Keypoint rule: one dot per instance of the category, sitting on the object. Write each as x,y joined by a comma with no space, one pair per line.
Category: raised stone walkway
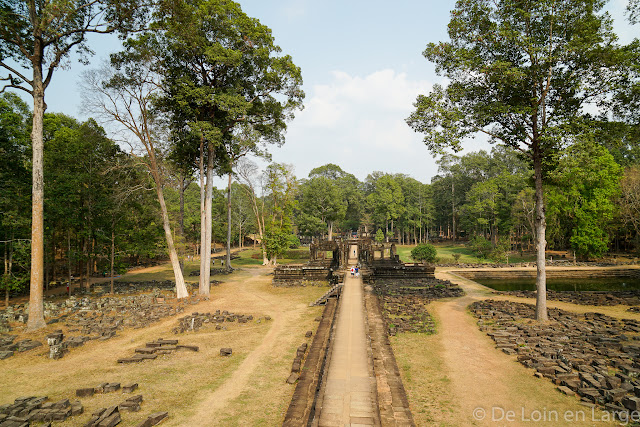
349,397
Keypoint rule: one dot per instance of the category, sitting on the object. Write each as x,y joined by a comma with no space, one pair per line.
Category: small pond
564,284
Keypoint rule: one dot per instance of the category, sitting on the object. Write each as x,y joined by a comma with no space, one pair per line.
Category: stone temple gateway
328,260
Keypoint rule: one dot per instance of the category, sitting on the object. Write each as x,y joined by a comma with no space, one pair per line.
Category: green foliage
294,243
321,203
581,197
424,252
222,69
379,236
385,200
481,246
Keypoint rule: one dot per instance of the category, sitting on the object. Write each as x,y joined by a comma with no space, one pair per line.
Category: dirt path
484,383
211,404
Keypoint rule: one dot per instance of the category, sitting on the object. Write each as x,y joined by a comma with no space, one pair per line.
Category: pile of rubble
93,318
121,287
427,288
602,298
9,346
155,348
592,355
26,410
196,320
404,302
407,313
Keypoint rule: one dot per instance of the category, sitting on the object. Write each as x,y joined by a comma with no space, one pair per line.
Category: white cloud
358,122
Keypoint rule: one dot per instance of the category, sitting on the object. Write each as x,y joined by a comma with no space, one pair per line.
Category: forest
200,88
100,205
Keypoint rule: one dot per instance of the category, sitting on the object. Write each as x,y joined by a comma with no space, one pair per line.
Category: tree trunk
53,261
36,303
181,221
113,251
204,261
7,272
69,259
205,275
228,257
181,288
541,243
453,210
330,230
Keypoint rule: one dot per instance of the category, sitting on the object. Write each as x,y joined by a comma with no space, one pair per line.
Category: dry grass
425,378
450,374
180,382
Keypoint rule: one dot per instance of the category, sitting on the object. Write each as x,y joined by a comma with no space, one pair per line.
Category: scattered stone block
225,352
130,406
111,387
136,399
154,419
293,377
631,403
85,392
129,388
76,408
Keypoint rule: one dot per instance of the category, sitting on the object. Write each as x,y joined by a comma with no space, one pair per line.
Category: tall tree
321,201
223,69
520,71
123,94
37,37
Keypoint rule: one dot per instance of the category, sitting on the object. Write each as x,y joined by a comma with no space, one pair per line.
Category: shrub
424,252
481,246
379,236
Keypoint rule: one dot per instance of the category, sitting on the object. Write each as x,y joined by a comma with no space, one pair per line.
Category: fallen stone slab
225,352
129,388
293,377
85,392
154,419
111,387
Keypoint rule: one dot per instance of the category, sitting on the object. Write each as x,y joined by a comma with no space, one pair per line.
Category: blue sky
362,67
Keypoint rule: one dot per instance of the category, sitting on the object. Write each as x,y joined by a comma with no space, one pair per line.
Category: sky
362,68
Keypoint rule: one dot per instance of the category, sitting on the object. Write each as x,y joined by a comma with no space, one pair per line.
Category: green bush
481,246
379,236
424,252
294,242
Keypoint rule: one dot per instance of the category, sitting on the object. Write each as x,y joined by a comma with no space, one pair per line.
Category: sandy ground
458,377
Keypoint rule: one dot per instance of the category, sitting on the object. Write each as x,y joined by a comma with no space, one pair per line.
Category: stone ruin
318,269
375,260
155,348
384,262
91,318
591,355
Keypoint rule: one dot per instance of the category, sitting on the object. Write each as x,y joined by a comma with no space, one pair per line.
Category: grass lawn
446,251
